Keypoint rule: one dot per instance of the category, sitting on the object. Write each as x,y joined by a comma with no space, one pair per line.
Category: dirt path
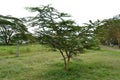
111,48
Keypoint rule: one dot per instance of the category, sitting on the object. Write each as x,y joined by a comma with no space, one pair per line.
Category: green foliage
57,31
60,32
54,30
91,39
23,38
10,26
108,32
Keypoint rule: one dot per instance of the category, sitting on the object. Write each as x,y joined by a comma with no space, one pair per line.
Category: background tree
109,31
91,40
5,31
10,26
13,31
22,38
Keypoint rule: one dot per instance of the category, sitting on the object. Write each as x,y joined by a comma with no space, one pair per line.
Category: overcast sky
81,10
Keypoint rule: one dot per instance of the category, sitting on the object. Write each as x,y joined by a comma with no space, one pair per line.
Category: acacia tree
22,38
12,30
10,26
56,30
5,31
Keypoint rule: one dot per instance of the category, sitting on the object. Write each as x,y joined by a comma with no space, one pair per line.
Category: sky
81,10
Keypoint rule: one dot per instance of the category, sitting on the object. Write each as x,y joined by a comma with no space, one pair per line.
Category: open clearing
41,63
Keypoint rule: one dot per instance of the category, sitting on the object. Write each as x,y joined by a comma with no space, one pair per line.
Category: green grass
44,64
11,50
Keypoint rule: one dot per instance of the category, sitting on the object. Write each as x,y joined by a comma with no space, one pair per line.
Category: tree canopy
10,26
109,31
57,30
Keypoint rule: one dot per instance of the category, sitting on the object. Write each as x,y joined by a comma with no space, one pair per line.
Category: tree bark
66,60
67,64
17,50
118,43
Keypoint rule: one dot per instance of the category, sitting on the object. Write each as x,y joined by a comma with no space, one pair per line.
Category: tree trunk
67,64
118,43
66,60
17,50
6,42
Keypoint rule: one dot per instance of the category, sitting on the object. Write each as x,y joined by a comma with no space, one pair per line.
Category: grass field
40,63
